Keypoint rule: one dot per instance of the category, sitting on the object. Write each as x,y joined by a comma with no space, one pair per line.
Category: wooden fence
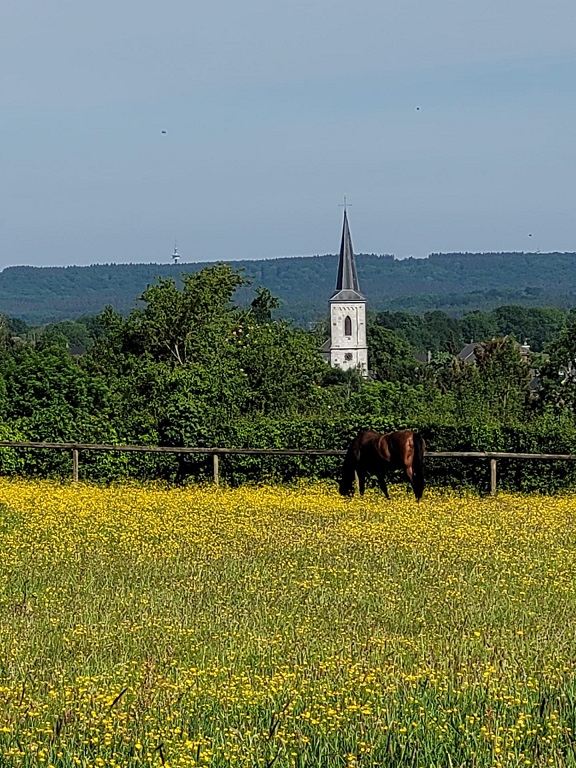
216,453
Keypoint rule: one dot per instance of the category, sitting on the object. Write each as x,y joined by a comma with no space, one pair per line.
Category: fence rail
75,448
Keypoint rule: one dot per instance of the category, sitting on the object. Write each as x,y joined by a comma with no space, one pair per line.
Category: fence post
75,453
493,477
215,468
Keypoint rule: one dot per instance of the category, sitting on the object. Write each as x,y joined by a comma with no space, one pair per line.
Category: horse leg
410,475
382,484
361,478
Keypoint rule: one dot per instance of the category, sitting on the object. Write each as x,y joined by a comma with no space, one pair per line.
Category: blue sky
449,125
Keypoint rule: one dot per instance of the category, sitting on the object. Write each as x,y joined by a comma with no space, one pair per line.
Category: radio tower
175,254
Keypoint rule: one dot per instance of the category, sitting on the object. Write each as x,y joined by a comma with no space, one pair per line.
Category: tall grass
261,627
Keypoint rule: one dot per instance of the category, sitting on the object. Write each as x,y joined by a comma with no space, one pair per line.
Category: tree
47,395
534,325
406,325
75,333
495,390
441,332
390,358
478,326
183,325
445,371
558,373
190,364
282,367
263,305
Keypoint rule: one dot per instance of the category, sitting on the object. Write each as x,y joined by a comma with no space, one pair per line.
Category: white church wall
348,350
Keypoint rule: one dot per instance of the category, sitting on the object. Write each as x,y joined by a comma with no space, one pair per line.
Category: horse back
401,447
396,448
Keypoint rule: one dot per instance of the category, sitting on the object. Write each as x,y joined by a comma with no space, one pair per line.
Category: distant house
468,352
525,352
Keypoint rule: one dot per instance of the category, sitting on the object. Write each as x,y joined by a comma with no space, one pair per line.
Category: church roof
347,296
347,286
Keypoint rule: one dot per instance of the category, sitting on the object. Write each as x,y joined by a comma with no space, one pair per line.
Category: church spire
346,348
347,280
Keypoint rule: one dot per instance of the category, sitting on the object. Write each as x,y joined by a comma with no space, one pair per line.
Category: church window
348,356
347,326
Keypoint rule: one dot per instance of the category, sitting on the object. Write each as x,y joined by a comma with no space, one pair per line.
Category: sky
237,128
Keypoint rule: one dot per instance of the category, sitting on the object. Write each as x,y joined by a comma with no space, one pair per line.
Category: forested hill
453,282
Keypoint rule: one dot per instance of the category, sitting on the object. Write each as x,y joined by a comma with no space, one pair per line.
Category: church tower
347,347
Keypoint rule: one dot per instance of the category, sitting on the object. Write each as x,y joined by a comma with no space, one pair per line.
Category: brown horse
372,453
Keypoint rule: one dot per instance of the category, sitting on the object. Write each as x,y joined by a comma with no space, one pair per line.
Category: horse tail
349,470
418,466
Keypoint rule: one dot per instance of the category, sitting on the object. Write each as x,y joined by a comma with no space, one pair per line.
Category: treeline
439,332
191,366
431,332
455,283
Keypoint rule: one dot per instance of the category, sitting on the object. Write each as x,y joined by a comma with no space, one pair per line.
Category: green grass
262,627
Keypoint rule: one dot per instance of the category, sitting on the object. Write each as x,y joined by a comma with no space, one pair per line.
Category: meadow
285,627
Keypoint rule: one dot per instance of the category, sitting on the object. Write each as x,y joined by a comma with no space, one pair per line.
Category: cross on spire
345,204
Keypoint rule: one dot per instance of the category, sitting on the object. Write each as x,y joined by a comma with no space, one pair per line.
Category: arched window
347,326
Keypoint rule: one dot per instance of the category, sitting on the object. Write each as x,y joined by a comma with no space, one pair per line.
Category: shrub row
543,435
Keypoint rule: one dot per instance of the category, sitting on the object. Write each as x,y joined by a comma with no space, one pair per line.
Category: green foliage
282,368
438,332
495,390
263,305
185,325
75,333
478,326
11,459
391,358
195,366
558,373
190,364
540,435
39,380
535,325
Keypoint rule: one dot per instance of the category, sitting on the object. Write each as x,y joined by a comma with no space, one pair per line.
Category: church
346,348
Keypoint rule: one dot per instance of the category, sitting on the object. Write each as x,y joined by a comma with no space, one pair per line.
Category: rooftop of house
468,352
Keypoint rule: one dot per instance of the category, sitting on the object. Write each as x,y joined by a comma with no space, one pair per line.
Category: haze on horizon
448,125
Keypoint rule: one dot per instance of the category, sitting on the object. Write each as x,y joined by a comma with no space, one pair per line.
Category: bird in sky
163,131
